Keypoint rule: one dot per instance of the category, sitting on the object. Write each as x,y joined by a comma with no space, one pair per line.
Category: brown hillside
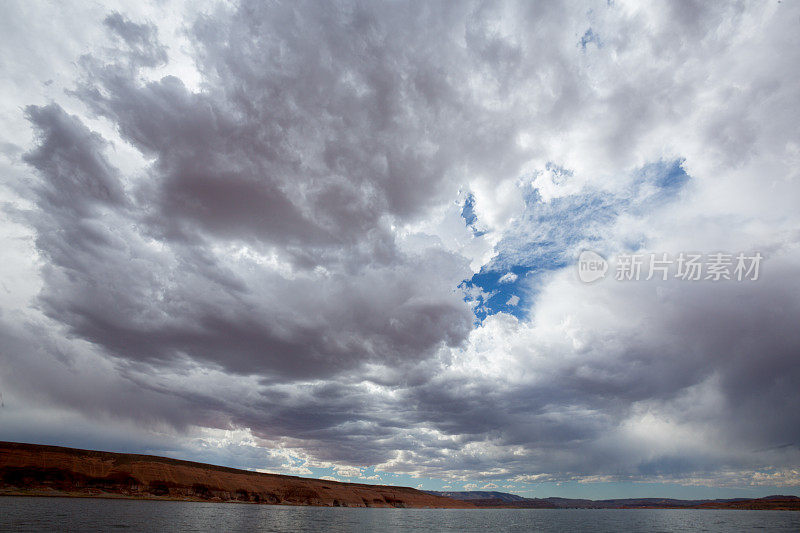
29,469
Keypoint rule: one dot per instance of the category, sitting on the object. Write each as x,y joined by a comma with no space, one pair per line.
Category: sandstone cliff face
35,469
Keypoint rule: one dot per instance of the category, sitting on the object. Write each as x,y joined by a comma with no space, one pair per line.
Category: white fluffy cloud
508,277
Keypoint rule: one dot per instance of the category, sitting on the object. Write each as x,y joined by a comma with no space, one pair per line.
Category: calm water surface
70,514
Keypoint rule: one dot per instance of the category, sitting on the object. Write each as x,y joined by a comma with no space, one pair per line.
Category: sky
342,240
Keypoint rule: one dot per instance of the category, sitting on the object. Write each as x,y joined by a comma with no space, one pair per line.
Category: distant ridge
37,470
486,499
479,495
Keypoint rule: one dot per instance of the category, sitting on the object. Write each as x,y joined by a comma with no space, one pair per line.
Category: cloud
348,471
140,39
238,317
508,277
266,262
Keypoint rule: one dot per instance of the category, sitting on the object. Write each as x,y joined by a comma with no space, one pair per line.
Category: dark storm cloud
70,155
141,39
110,286
304,144
317,125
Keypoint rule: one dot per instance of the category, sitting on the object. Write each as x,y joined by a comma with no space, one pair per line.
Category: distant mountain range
487,499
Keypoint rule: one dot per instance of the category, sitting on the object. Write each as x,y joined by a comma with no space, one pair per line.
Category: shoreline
113,496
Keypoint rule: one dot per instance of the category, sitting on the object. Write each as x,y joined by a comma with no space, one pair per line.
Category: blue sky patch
548,233
507,296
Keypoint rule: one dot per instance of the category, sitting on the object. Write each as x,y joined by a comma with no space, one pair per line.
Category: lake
83,514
